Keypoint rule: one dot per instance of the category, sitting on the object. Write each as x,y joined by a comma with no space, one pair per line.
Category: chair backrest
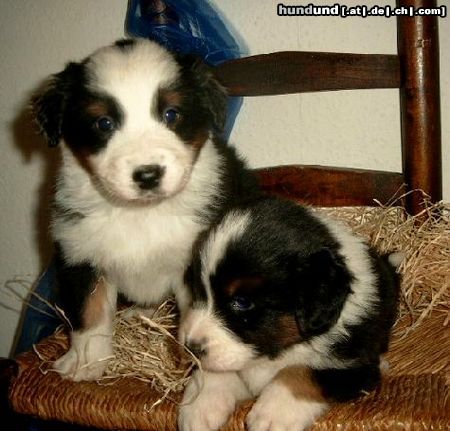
415,71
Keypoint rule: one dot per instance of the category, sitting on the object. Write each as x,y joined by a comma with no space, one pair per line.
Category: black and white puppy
288,306
143,172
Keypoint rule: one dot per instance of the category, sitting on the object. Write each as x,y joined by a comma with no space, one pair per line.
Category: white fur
396,258
259,373
224,352
277,409
209,399
230,228
143,250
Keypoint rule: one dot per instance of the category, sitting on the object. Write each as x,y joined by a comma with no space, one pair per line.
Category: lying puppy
143,172
289,307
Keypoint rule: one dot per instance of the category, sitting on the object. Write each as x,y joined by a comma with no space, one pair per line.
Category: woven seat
414,394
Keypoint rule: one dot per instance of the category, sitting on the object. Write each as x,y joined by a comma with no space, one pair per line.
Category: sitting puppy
289,307
143,172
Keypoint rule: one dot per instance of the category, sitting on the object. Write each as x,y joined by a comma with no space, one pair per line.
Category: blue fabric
39,320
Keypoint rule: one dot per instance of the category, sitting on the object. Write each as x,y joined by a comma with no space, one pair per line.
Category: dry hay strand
424,240
146,348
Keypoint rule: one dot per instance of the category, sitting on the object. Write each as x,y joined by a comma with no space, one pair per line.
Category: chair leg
418,47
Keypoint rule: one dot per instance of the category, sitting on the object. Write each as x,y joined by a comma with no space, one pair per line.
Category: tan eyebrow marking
243,285
97,108
171,97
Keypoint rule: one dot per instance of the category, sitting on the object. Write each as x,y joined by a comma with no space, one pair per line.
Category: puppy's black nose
196,348
148,177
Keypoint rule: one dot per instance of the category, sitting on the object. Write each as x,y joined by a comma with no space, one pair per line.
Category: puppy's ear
49,103
322,286
213,94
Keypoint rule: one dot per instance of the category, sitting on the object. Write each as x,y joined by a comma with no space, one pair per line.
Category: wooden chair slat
298,72
328,186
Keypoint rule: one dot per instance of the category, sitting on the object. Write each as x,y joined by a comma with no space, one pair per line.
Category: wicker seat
415,394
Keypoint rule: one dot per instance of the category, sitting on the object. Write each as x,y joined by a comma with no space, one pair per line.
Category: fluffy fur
143,173
291,303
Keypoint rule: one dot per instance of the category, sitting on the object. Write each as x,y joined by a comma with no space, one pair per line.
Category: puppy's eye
104,124
171,116
241,303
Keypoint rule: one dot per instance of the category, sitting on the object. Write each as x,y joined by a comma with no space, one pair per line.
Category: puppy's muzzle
148,177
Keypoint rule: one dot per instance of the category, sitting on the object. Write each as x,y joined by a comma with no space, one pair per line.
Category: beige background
359,129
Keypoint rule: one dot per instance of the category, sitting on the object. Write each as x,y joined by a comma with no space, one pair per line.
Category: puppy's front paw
86,359
278,410
207,413
209,400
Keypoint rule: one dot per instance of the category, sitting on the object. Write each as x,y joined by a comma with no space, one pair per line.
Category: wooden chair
415,71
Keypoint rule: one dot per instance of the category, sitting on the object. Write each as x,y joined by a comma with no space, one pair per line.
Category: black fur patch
198,97
204,99
238,185
68,108
347,384
75,283
49,104
79,124
326,285
370,338
125,44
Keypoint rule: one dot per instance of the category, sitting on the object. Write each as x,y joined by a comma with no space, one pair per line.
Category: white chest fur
142,250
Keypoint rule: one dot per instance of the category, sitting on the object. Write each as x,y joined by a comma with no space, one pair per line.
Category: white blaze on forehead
230,229
133,76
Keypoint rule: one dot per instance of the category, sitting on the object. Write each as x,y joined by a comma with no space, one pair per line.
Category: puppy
289,307
143,172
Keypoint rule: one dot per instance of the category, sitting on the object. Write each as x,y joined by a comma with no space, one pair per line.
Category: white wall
359,129
37,38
